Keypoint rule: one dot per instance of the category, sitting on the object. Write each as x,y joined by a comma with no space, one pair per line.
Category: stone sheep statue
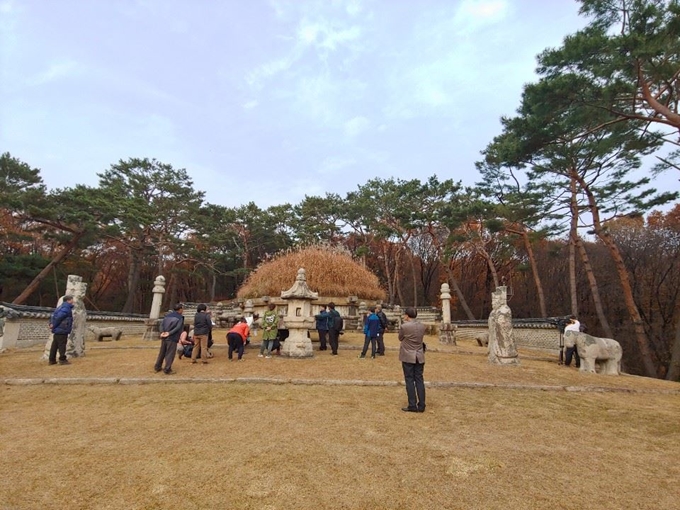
101,333
482,339
590,349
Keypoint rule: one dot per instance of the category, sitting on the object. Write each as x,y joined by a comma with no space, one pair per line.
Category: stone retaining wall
536,336
27,326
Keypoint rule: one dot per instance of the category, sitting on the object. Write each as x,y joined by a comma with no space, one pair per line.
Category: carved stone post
447,331
502,350
158,291
76,340
363,310
151,332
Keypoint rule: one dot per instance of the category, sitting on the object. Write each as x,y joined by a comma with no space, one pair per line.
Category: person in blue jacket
371,332
61,324
322,327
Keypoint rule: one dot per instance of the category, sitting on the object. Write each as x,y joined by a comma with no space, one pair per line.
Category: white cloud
250,105
356,126
7,7
334,164
354,7
474,14
55,71
270,69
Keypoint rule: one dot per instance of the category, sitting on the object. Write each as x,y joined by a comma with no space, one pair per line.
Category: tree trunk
414,278
638,325
388,276
594,289
213,285
534,271
573,234
21,298
400,294
133,282
673,373
459,294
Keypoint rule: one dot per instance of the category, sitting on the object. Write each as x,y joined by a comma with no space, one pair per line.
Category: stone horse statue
606,351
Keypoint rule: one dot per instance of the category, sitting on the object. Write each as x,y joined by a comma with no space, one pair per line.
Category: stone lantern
299,319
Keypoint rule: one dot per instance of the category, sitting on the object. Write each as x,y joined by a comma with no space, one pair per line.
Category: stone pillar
447,331
75,345
363,310
76,340
151,323
502,350
158,291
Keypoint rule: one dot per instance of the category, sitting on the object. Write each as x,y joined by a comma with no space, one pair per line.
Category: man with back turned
412,357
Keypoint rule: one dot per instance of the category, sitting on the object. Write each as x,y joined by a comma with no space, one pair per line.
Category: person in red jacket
236,337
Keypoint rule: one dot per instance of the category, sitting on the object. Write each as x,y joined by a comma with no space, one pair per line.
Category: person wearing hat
61,324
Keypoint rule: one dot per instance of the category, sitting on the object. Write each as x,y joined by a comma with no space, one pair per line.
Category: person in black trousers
334,328
171,329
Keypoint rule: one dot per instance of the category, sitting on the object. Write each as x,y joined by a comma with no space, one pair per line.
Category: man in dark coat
171,329
202,330
412,357
61,324
383,327
334,328
322,327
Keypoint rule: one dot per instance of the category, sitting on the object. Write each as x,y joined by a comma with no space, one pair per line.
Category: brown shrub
330,272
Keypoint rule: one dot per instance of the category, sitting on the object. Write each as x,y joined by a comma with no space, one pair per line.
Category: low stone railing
27,326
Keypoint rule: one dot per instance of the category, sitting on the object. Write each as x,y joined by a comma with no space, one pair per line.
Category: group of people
177,341
375,325
329,325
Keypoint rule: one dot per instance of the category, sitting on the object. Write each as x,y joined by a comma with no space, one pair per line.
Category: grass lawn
185,441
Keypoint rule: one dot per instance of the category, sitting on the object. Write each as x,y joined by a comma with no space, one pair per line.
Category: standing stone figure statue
502,350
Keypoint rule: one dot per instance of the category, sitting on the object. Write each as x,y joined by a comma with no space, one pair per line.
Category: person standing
412,357
171,329
573,327
61,324
236,337
334,328
270,328
383,327
322,327
202,330
371,332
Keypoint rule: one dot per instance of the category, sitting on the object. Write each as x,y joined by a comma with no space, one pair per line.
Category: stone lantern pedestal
299,319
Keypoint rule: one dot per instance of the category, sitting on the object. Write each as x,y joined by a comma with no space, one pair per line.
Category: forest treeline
560,214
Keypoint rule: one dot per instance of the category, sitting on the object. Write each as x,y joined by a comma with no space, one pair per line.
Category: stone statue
590,349
502,350
101,333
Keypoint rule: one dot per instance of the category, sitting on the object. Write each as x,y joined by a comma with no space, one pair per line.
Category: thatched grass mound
330,272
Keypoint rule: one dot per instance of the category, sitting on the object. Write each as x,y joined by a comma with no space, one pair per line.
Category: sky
267,101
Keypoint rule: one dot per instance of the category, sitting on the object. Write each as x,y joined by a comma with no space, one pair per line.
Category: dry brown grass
330,272
287,446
